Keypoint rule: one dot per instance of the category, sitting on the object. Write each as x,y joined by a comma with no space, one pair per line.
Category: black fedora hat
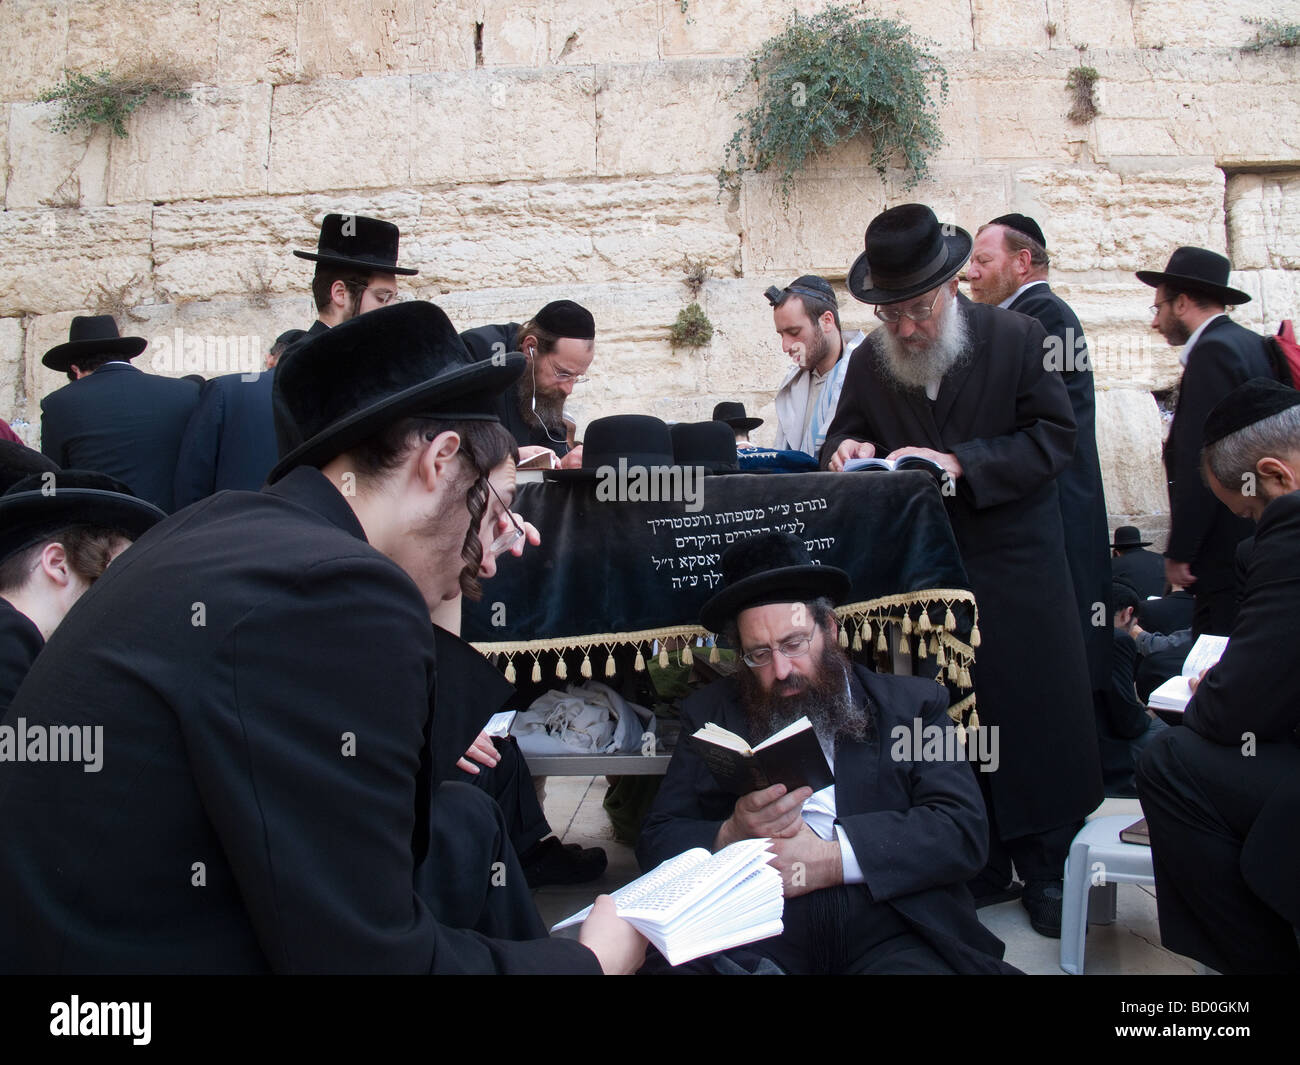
770,568
355,240
1129,536
711,445
45,502
342,386
636,439
94,334
907,252
734,415
1197,270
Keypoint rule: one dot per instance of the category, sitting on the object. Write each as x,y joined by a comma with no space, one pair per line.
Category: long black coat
486,341
1202,530
20,642
1141,570
1008,421
918,829
230,439
122,422
1083,499
265,680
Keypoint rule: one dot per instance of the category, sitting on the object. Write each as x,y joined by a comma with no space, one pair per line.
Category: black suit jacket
122,422
486,341
1202,530
1141,570
20,642
918,829
230,439
265,680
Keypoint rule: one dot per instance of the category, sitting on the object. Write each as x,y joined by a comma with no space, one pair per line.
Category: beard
540,406
824,699
817,350
915,365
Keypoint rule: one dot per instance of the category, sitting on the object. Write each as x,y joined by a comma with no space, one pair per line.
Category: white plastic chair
1098,862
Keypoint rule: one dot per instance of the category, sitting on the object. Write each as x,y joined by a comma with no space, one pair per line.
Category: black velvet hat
564,318
1252,402
1197,270
45,502
1129,536
637,439
734,415
770,568
92,335
18,461
907,253
711,445
1021,223
355,240
344,385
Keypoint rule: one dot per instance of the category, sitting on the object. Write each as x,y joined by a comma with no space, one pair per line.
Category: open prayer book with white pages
792,757
1175,693
907,462
699,903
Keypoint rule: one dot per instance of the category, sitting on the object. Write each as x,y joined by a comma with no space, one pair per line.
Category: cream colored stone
244,247
667,118
214,144
1203,23
389,37
259,42
37,31
49,168
537,33
43,332
1130,438
508,124
12,407
1263,218
341,135
1010,24
115,34
1275,295
4,150
54,259
1019,103
1095,23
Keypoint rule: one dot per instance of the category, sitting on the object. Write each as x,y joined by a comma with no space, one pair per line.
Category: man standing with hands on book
875,866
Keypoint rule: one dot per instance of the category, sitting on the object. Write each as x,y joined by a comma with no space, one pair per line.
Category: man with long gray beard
874,866
966,385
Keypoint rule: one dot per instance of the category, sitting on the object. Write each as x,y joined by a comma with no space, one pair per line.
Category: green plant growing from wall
1272,33
1082,82
108,99
833,77
692,328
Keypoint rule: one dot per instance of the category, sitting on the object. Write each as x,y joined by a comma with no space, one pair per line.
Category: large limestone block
538,33
1263,220
43,332
11,371
244,247
259,42
1010,24
36,64
1130,438
214,144
1095,23
1103,220
1204,23
668,118
49,168
507,124
390,37
564,233
115,33
54,259
1018,102
341,135
1275,295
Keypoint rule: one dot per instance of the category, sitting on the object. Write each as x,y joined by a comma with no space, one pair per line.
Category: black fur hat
770,568
347,384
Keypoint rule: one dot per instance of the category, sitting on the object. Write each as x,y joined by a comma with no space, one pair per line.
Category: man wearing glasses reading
968,386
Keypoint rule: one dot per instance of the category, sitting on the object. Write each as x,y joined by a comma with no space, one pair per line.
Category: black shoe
552,862
986,893
1042,899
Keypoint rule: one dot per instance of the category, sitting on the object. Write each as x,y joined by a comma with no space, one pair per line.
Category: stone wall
532,150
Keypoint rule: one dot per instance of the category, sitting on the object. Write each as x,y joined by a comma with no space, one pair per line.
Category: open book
792,757
699,903
907,462
1174,694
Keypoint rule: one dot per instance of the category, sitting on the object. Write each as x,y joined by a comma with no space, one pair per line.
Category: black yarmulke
1021,223
1257,399
565,318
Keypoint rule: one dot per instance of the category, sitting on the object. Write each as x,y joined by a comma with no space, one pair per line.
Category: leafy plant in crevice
830,78
1272,33
1082,82
108,99
692,329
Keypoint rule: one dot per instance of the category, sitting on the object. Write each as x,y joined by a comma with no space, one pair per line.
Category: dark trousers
1037,857
471,877
1201,800
1216,604
511,785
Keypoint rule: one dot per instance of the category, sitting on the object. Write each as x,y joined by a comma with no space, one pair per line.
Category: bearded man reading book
875,866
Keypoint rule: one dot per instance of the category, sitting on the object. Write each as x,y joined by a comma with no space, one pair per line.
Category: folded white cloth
588,718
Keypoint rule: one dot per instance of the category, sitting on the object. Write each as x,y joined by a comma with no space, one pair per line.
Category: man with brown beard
968,386
559,343
875,865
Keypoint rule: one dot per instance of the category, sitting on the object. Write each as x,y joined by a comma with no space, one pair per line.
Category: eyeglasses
563,375
382,296
508,539
795,647
1155,307
892,315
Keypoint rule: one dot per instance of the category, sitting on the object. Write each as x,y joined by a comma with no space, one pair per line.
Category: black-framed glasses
893,314
795,647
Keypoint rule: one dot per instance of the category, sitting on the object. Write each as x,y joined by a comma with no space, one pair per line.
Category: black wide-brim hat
343,386
46,502
710,445
636,439
1129,536
1197,270
907,252
770,568
734,415
88,335
355,240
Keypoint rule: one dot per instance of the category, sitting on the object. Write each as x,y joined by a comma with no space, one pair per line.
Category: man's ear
54,564
339,294
1286,474
529,346
827,322
436,459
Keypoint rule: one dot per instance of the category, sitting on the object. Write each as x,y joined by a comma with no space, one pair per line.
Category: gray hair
1235,457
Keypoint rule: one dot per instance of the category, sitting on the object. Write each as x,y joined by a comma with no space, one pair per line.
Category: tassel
934,645
950,620
975,636
561,670
940,659
964,679
857,639
639,664
974,718
609,665
954,672
586,665
663,656
688,657
882,641
920,648
713,654
923,625
510,670
844,637
907,624
537,672
961,733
